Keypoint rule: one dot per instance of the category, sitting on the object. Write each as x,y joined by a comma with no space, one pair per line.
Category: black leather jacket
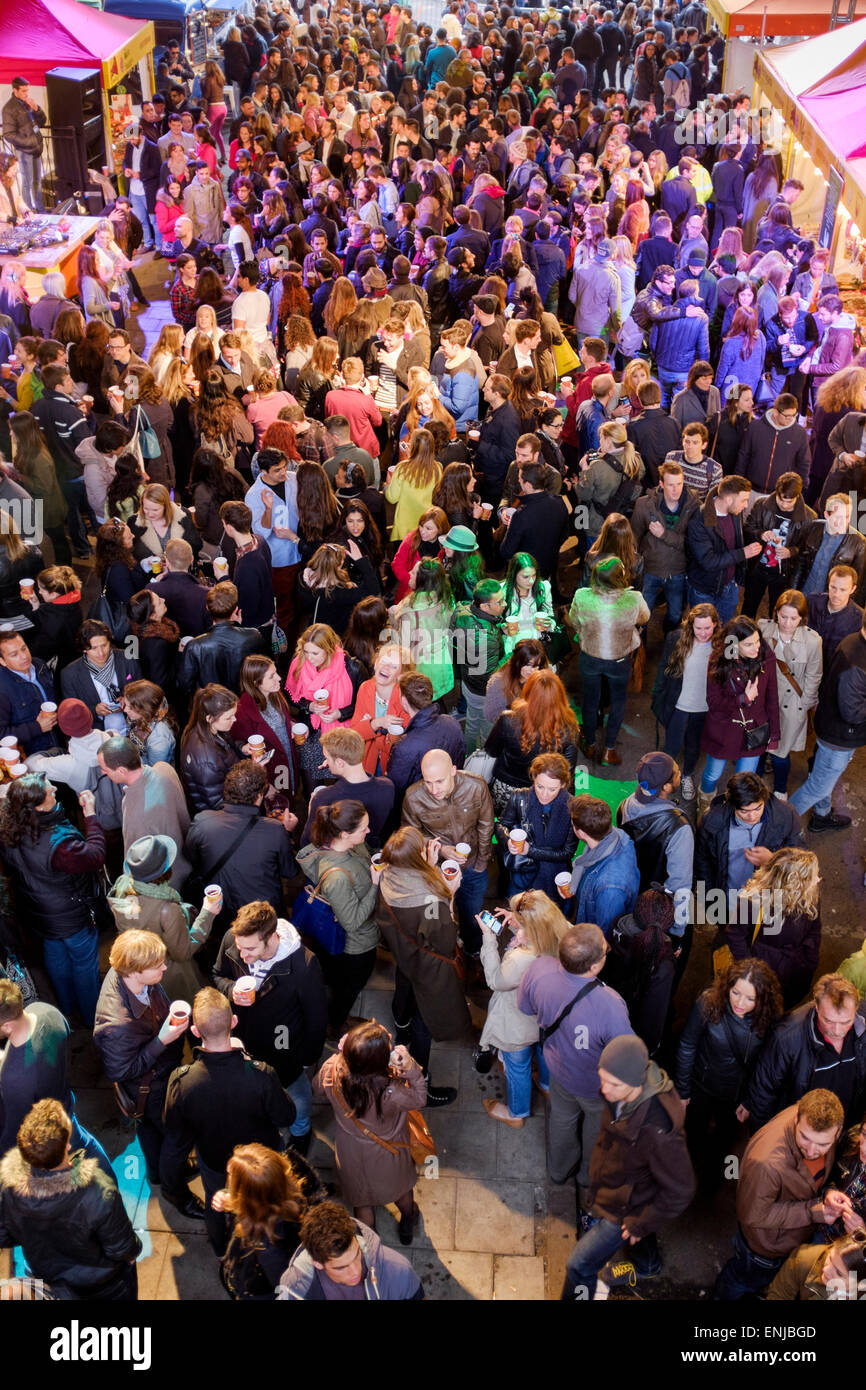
217,656
512,763
204,763
716,1058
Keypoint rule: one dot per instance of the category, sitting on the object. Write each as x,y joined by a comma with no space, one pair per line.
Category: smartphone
494,923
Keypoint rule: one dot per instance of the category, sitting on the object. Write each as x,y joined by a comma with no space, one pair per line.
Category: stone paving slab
454,1275
495,1217
517,1278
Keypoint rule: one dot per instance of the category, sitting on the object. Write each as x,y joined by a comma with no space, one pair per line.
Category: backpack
627,493
629,340
675,85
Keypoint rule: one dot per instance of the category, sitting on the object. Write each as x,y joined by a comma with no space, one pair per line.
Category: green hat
460,538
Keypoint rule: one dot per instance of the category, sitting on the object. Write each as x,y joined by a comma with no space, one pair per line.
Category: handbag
758,737
114,616
147,436
638,666
314,915
279,640
723,956
566,358
133,1105
480,764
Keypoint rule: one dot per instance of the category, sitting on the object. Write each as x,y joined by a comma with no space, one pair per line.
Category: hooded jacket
769,450
387,1274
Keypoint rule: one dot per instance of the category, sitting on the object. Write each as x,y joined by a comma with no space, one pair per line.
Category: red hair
281,435
546,717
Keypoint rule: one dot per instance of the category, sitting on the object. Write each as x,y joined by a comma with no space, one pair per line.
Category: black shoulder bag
545,1033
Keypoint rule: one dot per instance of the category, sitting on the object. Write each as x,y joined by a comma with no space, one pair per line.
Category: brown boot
610,758
704,799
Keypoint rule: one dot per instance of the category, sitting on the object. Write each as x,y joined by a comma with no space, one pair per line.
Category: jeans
724,603
671,382
139,207
301,1092
469,900
518,1075
714,767
781,771
592,668
593,1251
684,731
30,169
827,768
73,965
572,1129
745,1272
477,727
674,588
75,492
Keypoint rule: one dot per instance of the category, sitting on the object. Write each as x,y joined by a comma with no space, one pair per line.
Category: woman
239,241
142,897
372,1087
463,562
13,209
213,95
113,267
421,405
333,581
116,568
237,61
540,721
337,862
363,636
506,685
524,396
835,1273
299,341
778,920
542,810
799,668
28,387
679,698
265,403
616,538
207,328
528,603
125,491
843,391
744,298
54,872
606,617
100,676
96,297
412,484
742,356
150,409
207,750
318,509
267,1193
167,348
415,914
731,427
169,208
158,521
320,664
718,1051
87,359
422,543
342,303
602,473
213,481
849,1176
152,727
416,344
157,636
362,134
622,260
358,525
538,927
422,621
34,466
262,710
56,616
242,141
379,707
455,495
210,289
317,378
759,191
742,704
699,401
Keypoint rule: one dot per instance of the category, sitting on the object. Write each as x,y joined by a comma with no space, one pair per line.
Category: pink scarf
304,680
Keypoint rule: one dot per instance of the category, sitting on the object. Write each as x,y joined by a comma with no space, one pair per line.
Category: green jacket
351,893
477,646
854,969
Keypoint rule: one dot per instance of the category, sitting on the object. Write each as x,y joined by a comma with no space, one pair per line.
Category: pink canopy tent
35,37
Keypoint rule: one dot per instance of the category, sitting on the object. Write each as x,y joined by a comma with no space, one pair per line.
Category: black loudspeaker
76,123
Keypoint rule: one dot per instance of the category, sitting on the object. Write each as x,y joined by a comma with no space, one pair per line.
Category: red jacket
405,561
249,720
582,392
724,735
362,413
377,745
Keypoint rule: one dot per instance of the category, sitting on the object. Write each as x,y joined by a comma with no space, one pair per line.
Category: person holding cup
379,710
322,685
543,812
25,685
143,897
528,603
540,721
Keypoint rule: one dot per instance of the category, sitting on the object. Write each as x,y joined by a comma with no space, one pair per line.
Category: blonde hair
328,568
318,635
170,340
155,492
623,252
135,950
541,920
633,368
402,654
10,537
419,468
792,874
205,311
58,579
616,432
353,370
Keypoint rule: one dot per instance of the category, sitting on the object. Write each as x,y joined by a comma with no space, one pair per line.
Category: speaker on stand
76,126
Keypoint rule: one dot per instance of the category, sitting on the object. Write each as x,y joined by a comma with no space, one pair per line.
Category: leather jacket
217,656
465,816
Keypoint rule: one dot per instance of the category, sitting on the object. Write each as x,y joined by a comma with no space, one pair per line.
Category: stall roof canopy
746,17
35,37
827,76
159,11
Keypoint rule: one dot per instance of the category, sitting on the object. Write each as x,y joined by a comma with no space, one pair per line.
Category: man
153,802
653,433
427,729
216,656
528,451
173,67
779,520
679,342
478,652
775,445
285,1023
593,356
223,1099
640,1174
273,501
455,807
835,347
659,522
524,350
577,1016
540,524
605,879
662,836
439,58
22,121
65,424
551,267
346,453
700,472
235,366
678,197
739,832
340,1259
488,335
249,855
603,404
833,541
597,297
834,614
715,553
252,308
176,136
782,1192
728,186
330,149
500,432
118,360
204,203
343,753
67,1215
185,599
252,569
141,166
656,252
695,268
569,78
354,402
26,684
840,729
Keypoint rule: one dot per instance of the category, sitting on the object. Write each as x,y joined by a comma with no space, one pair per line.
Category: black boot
439,1095
301,1142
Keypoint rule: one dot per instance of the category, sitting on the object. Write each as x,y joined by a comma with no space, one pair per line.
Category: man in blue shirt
439,59
25,686
273,501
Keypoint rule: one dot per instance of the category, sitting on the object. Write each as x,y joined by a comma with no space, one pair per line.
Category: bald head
438,772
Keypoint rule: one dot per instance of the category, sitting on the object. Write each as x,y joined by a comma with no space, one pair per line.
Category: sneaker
619,1273
688,789
832,821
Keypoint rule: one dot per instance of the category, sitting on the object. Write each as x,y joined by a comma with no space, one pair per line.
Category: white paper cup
517,841
246,986
507,513
179,1012
450,869
257,746
156,566
27,587
474,434
10,741
486,511
220,567
563,885
321,695
48,707
566,381
462,852
377,863
10,756
300,733
396,730
18,770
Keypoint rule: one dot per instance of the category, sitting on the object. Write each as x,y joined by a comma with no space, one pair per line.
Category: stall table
62,257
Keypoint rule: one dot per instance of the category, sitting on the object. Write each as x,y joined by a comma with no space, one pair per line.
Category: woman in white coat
538,927
799,667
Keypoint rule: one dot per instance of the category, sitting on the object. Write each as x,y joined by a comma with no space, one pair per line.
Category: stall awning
745,18
35,36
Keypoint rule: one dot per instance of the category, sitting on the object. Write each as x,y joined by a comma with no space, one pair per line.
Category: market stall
745,22
819,90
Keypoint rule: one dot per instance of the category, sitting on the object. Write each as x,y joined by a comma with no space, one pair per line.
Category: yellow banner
115,68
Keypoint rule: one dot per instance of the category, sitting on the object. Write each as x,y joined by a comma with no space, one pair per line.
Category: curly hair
19,818
768,993
546,717
792,874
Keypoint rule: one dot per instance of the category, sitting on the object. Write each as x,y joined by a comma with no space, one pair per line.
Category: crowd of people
482,390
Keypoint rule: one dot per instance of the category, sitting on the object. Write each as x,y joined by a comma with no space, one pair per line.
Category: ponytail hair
329,822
